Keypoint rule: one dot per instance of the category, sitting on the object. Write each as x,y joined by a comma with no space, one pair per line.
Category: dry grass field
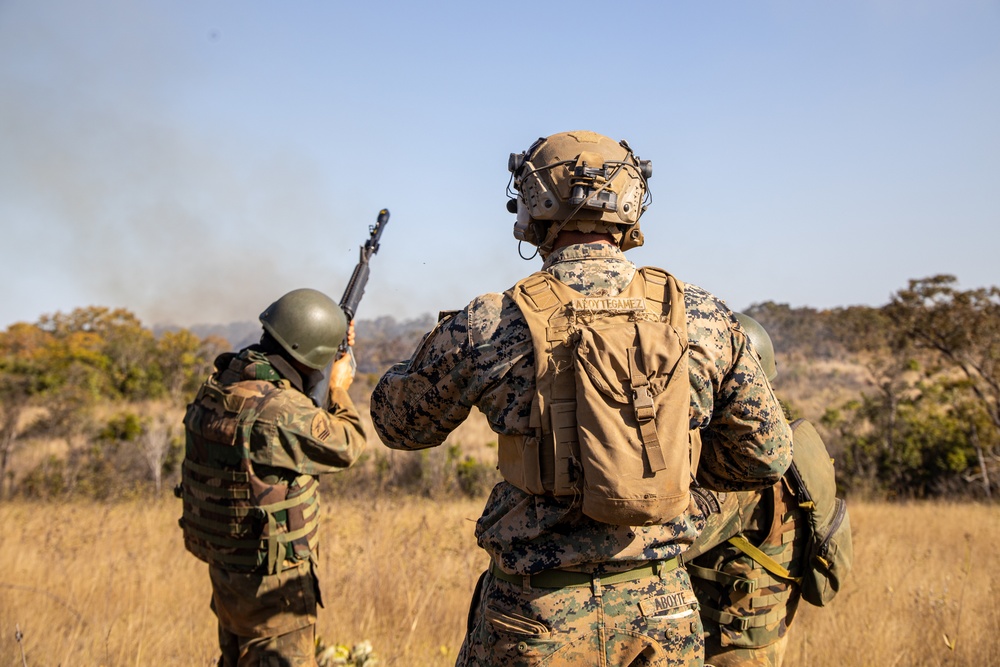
111,585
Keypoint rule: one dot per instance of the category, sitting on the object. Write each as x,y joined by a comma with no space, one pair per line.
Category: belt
567,579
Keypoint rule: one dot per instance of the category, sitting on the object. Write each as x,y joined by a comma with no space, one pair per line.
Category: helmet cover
579,180
761,342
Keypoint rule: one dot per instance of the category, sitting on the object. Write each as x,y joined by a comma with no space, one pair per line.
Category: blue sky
191,160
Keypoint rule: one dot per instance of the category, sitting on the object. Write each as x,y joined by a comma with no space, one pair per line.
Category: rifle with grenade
352,296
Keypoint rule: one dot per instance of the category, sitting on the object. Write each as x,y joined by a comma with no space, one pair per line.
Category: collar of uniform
572,253
269,367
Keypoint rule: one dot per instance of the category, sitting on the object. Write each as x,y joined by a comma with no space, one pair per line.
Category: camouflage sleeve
416,404
720,525
310,440
747,444
466,360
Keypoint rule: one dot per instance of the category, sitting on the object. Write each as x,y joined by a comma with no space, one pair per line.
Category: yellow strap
768,563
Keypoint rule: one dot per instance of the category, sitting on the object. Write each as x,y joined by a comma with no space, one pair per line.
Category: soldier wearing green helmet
255,442
751,562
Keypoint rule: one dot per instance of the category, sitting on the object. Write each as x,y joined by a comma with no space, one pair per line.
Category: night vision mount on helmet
578,180
308,325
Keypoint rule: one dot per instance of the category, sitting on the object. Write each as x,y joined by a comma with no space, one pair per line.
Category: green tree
929,452
22,377
185,360
115,344
962,329
930,427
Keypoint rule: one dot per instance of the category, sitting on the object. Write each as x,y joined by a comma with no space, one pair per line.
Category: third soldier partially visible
609,387
766,550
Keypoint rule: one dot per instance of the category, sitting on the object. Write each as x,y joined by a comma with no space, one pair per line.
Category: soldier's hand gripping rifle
352,296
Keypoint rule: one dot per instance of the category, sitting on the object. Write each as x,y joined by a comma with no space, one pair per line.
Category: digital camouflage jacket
482,356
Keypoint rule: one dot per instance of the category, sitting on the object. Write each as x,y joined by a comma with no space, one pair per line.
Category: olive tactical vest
232,518
751,590
611,412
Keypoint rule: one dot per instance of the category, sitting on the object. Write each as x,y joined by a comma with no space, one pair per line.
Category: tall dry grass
111,585
924,591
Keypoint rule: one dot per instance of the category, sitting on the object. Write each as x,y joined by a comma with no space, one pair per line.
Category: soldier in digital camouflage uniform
747,563
255,443
564,588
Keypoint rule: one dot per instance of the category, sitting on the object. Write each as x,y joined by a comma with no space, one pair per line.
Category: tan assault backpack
612,405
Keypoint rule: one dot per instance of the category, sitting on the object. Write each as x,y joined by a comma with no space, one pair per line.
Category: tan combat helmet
308,325
578,180
761,342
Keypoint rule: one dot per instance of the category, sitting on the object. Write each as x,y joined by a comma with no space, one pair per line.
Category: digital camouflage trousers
650,622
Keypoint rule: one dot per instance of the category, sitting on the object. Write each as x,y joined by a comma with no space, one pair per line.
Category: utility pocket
513,639
506,621
672,615
830,551
633,403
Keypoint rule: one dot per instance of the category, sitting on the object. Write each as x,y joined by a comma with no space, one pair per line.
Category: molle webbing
737,575
242,535
232,518
726,579
743,623
765,561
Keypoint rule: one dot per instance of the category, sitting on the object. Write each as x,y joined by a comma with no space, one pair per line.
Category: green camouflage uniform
745,608
269,617
482,356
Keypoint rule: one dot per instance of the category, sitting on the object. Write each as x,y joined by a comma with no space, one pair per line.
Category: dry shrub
96,584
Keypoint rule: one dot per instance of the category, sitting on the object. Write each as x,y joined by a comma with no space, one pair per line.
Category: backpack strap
668,291
537,291
642,402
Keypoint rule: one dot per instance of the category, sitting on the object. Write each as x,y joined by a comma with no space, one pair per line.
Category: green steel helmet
578,180
761,343
308,325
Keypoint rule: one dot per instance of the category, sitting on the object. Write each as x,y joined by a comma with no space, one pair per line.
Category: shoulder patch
485,315
320,429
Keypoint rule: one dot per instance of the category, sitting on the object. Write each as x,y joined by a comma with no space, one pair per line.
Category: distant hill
816,372
381,342
239,334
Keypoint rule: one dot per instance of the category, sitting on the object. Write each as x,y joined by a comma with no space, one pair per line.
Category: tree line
928,422
109,392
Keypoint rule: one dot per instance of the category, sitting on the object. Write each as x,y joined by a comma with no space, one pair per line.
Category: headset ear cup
525,229
632,238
